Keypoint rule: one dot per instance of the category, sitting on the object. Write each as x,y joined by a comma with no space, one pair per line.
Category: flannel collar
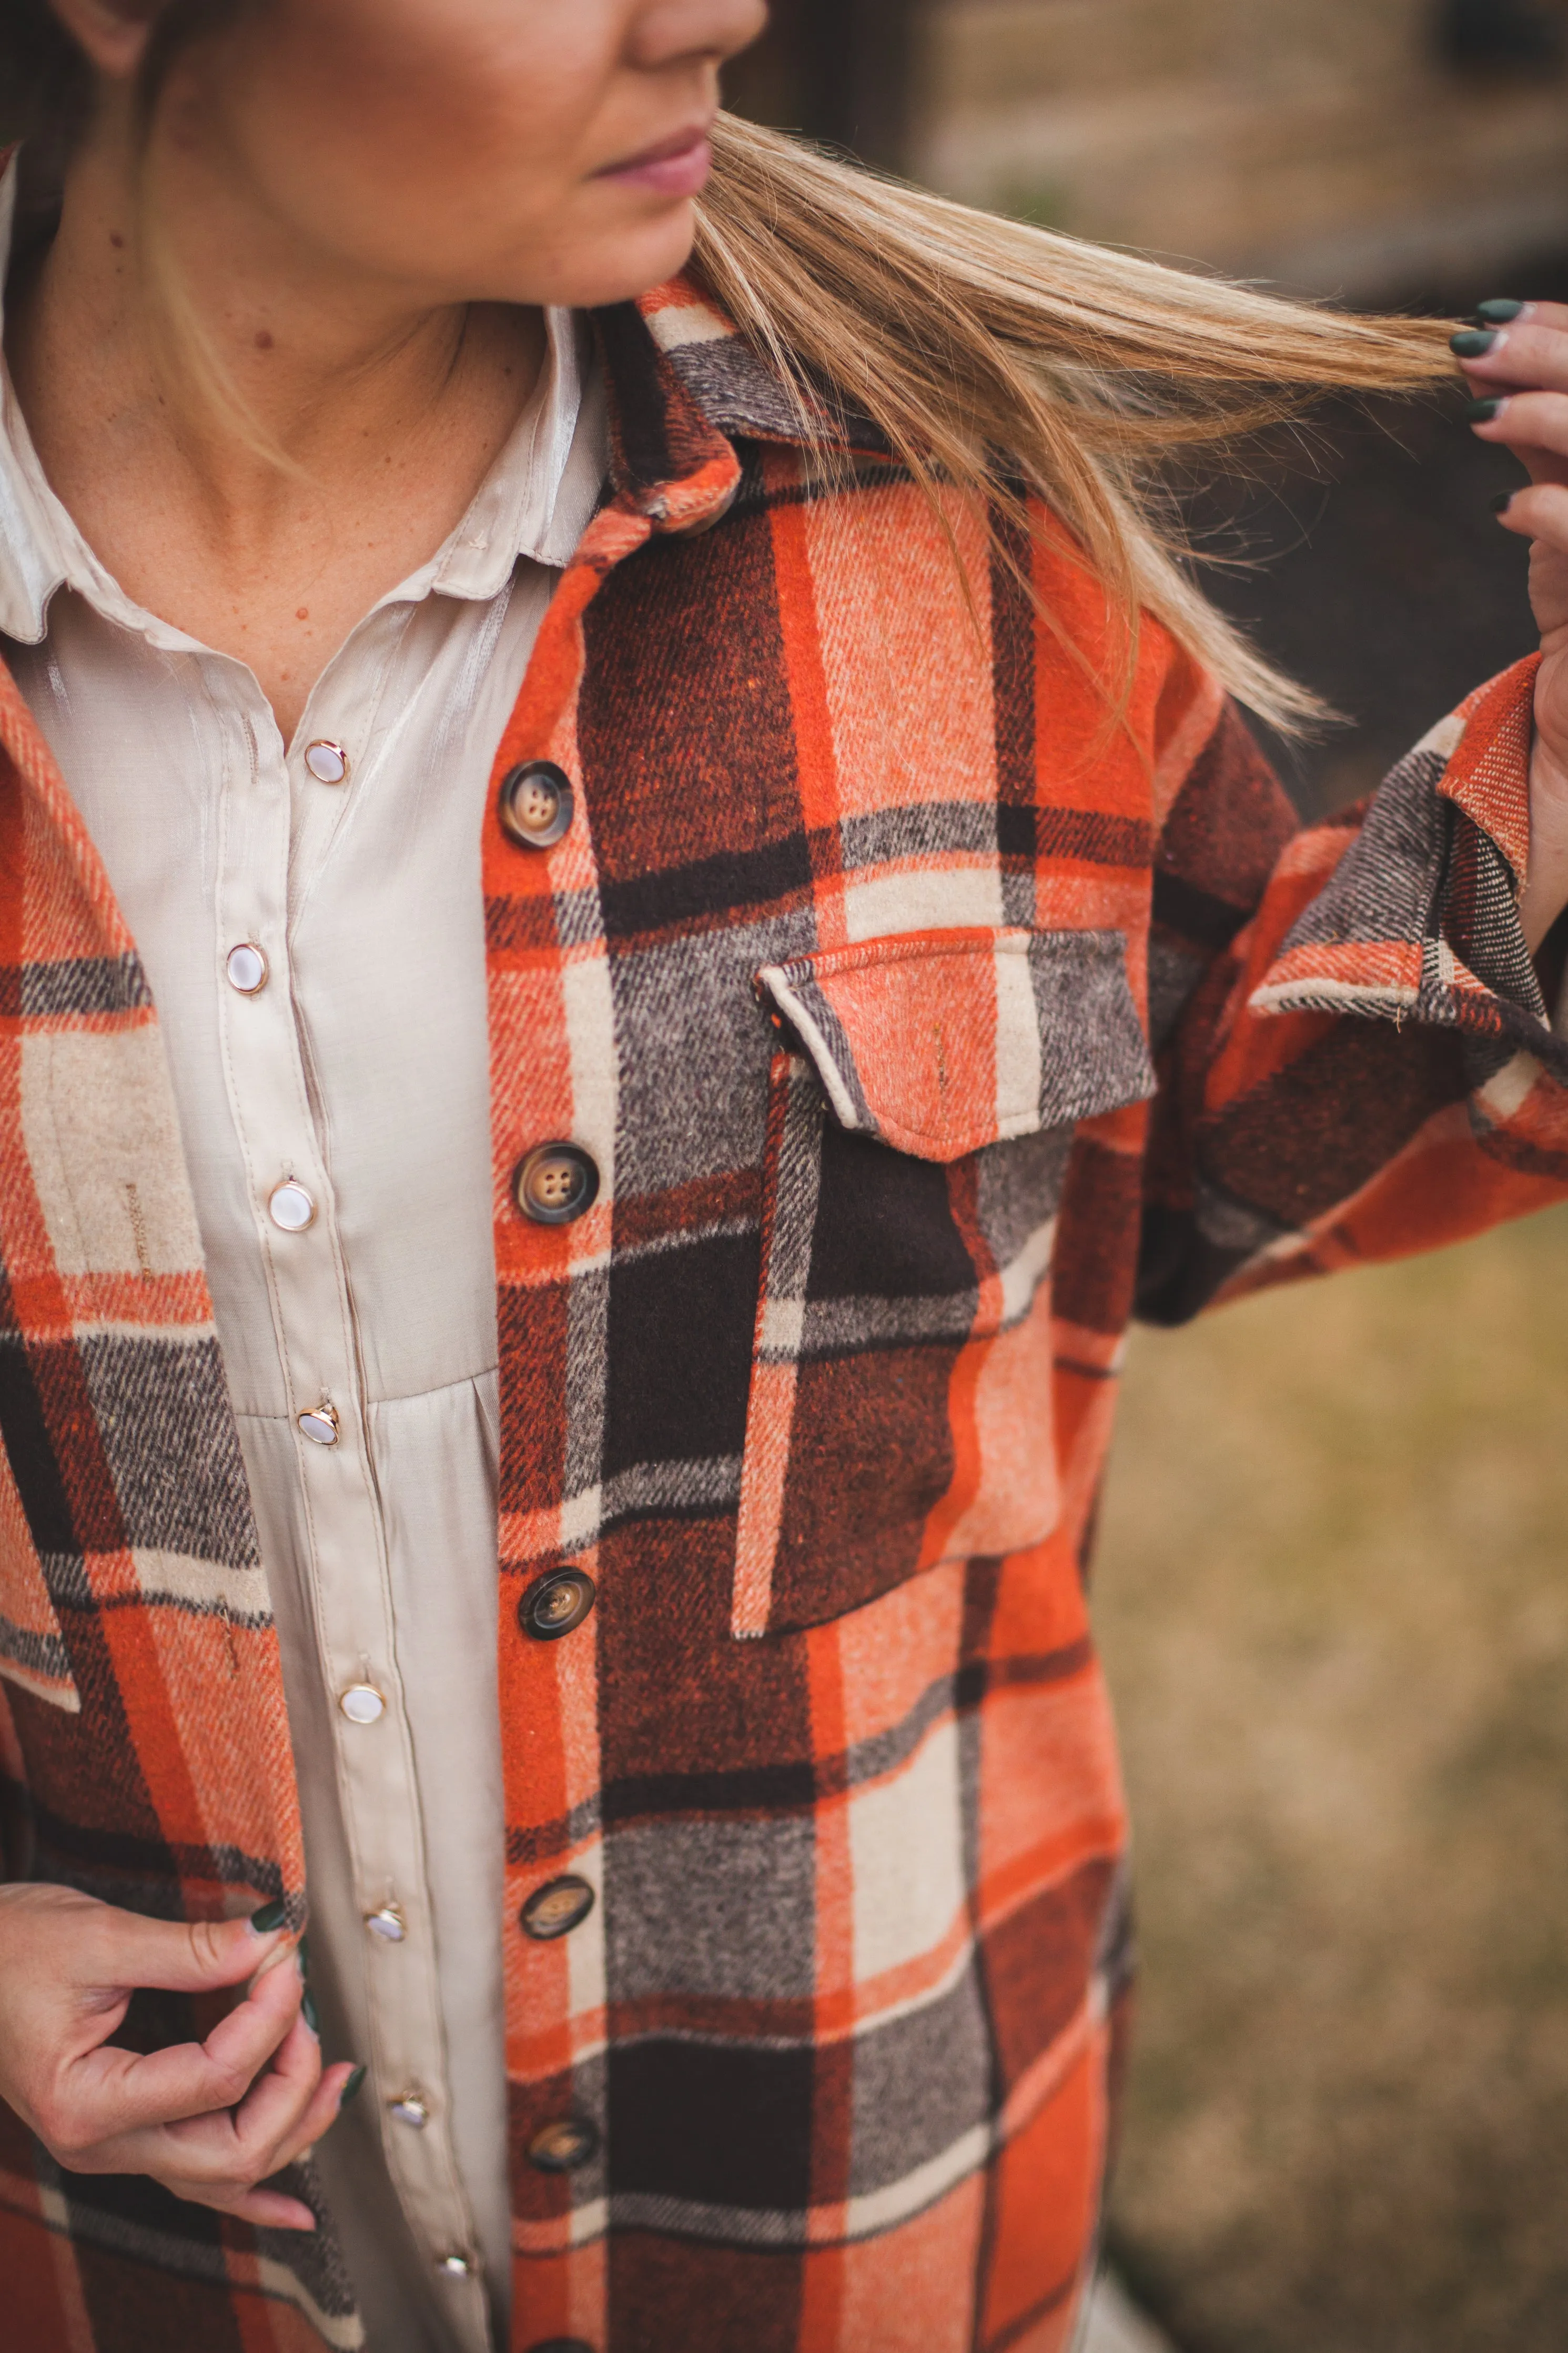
684,383
681,381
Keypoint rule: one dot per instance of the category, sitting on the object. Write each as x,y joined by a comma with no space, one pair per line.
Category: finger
1539,513
321,2114
273,2111
228,2148
121,2090
1529,352
1520,314
1533,425
269,2210
122,1949
285,2114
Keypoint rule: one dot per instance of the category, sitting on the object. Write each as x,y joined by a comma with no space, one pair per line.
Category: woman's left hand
1518,372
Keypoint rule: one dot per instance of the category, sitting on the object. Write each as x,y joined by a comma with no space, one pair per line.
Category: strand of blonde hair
1002,360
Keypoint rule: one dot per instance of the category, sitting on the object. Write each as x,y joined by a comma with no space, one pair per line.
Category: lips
675,167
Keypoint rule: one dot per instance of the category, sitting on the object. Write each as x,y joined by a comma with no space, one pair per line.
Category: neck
196,324
353,424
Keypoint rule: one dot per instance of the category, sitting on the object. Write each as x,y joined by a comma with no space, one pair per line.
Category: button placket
270,1101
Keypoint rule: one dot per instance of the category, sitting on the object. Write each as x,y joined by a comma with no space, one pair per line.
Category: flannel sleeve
1356,1058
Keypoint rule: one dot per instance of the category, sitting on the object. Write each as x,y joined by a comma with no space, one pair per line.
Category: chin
617,266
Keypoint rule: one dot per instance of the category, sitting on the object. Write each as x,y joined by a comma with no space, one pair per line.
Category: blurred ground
1333,1599
1333,1604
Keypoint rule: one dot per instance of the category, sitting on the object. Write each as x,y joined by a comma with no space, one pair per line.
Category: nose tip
669,32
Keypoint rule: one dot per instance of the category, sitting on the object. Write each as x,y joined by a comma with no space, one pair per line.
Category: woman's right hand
210,2120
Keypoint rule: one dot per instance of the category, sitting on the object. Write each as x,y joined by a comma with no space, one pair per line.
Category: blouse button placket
296,1222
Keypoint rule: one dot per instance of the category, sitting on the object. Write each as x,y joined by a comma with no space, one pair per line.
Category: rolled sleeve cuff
1419,920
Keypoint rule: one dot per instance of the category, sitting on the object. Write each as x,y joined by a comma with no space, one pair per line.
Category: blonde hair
1005,360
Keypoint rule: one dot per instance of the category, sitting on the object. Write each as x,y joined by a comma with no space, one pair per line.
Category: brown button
535,804
555,1604
564,2145
556,1184
556,1908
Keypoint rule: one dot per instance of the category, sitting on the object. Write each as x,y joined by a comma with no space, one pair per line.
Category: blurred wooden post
840,70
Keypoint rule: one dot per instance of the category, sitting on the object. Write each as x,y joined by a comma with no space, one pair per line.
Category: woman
793,640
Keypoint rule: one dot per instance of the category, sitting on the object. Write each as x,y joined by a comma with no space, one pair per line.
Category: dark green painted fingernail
1472,343
271,1915
1502,503
351,2089
1499,310
308,2013
1481,412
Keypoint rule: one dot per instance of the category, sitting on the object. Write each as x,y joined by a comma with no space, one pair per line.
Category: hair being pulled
1003,360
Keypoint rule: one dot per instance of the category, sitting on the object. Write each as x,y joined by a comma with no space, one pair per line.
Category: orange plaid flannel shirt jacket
920,1033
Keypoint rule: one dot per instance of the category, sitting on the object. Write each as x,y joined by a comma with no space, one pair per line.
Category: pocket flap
939,1043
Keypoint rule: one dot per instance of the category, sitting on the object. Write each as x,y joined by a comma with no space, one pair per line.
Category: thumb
180,1956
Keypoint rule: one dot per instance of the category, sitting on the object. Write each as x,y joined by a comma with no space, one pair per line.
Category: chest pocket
922,1105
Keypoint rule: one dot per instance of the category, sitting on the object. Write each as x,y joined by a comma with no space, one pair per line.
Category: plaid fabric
143,1731
916,1029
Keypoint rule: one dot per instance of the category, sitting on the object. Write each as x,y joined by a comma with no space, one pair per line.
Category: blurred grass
1333,1601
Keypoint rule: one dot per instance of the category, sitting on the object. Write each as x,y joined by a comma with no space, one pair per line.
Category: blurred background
1332,1591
